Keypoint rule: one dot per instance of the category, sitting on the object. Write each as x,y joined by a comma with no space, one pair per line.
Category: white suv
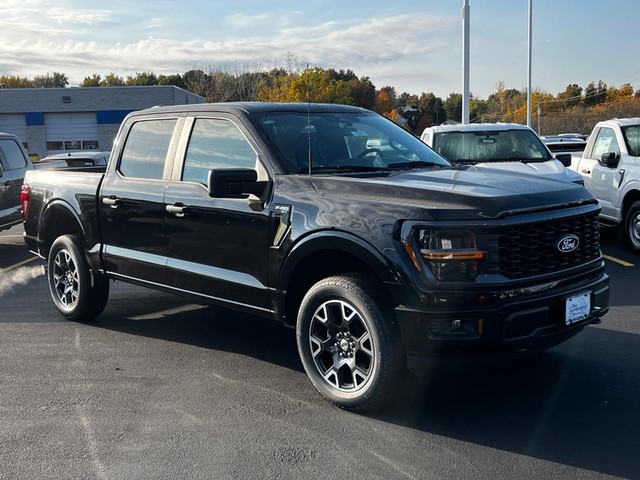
510,147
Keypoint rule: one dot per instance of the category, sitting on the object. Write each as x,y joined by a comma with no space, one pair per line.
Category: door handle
585,170
177,209
113,202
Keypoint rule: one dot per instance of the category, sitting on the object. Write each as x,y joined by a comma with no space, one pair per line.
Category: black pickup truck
333,220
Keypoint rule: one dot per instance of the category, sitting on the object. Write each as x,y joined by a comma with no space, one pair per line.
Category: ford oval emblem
568,243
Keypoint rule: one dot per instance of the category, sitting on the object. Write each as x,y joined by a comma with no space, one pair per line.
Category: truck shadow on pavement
577,404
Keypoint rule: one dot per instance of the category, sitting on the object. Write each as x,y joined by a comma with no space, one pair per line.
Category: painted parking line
618,261
19,264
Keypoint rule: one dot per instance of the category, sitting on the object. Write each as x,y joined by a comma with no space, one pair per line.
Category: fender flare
340,241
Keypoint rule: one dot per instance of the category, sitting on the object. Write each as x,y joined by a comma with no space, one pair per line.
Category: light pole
465,62
529,68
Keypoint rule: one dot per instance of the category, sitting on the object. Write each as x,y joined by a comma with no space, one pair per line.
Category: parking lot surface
158,387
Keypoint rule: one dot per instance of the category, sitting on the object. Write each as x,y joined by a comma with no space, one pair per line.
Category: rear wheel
75,292
349,342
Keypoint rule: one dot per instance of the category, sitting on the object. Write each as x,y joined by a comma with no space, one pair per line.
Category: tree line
575,109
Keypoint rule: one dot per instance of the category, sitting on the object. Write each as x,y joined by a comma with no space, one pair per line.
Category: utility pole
465,62
529,68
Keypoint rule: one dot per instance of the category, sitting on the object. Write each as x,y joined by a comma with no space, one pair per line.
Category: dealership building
58,120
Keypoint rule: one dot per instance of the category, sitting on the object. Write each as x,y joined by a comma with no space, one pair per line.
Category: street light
465,62
529,68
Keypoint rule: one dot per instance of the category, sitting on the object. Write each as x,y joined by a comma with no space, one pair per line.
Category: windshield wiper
416,164
343,168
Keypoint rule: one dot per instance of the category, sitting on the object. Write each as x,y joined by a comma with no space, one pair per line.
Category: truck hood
455,193
550,169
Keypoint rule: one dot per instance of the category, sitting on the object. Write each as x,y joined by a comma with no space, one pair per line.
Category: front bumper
510,321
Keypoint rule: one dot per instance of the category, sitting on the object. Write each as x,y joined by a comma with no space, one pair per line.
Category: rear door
216,247
131,201
14,165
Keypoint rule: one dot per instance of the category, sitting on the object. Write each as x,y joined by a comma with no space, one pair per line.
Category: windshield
491,146
342,142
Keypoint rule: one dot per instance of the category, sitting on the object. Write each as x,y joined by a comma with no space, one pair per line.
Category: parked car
502,146
611,172
88,158
14,162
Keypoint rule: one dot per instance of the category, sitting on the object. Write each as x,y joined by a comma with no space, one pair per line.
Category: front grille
530,250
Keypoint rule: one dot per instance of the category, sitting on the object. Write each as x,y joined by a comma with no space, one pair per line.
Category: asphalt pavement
161,388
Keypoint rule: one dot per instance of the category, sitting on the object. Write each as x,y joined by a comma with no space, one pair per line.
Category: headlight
451,255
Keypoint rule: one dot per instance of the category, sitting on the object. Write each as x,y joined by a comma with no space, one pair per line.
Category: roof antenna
309,116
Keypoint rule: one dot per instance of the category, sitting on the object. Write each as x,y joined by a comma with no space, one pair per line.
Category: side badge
283,219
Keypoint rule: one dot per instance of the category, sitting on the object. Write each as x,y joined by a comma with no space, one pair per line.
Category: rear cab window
11,155
145,152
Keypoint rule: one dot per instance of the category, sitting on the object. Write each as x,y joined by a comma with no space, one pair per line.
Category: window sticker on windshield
488,140
359,133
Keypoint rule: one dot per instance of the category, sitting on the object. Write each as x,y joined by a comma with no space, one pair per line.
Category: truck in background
510,147
610,170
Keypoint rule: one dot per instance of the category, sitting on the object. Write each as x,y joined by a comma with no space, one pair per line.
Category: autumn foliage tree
574,109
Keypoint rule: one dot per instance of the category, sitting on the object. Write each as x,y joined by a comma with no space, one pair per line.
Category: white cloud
243,20
379,47
75,16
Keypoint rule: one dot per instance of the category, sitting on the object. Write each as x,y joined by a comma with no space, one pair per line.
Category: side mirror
610,159
1,171
564,159
234,183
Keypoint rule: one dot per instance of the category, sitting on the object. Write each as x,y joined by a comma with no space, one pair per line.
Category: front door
217,247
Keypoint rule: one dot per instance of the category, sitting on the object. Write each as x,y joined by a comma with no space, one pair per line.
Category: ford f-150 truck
332,220
499,146
611,172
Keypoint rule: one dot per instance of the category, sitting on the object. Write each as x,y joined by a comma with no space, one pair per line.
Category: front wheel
75,292
632,227
349,342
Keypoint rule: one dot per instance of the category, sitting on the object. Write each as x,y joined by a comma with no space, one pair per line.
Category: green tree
595,94
572,95
312,84
316,85
363,92
453,107
92,81
112,80
50,80
142,79
176,80
14,81
432,109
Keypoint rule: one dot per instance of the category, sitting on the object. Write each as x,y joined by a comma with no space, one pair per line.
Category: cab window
216,143
11,155
605,143
145,151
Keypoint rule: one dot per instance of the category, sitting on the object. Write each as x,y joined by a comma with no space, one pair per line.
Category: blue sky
414,46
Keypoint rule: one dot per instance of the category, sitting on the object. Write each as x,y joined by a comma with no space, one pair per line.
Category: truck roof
477,127
623,122
255,107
